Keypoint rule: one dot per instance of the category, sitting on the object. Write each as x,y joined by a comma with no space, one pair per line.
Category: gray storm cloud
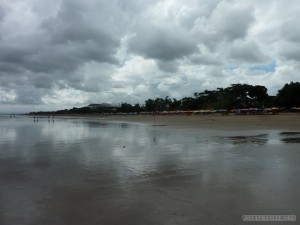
162,43
232,20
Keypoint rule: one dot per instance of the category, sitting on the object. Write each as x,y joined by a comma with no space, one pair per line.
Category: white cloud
7,96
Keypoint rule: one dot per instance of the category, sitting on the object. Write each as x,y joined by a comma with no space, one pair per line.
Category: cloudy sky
63,53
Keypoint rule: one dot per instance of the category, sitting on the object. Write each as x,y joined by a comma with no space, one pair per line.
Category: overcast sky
63,53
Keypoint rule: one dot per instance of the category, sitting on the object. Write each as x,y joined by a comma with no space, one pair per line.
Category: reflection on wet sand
78,172
246,140
290,133
291,140
293,137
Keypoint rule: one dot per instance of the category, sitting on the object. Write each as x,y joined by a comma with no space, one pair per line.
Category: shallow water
76,171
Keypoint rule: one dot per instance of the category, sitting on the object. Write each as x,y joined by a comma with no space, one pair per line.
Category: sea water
82,171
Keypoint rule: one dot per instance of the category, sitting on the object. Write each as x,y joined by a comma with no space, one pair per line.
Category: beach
123,170
289,121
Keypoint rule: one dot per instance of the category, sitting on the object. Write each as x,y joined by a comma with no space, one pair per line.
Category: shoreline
219,122
287,121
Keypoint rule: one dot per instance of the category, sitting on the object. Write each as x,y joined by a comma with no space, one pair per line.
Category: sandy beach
287,121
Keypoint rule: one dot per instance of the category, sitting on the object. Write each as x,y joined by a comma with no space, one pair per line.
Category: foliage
289,95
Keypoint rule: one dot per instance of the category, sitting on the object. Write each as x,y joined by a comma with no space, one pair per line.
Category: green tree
289,95
126,107
137,108
175,104
189,103
150,105
159,104
244,95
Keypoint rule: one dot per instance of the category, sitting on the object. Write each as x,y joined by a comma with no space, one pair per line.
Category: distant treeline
237,96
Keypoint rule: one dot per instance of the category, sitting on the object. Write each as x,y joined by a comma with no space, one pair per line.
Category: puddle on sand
291,140
290,133
253,139
294,137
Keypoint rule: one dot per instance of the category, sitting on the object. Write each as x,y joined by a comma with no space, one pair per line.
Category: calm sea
79,171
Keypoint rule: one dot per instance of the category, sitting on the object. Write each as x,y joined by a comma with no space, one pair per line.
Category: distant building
103,106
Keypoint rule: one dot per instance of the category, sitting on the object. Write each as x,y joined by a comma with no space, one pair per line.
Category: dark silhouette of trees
150,105
235,96
207,99
189,103
244,96
128,108
125,107
160,104
289,95
175,104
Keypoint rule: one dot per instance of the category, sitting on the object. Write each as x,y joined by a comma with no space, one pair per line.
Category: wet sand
122,170
287,121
